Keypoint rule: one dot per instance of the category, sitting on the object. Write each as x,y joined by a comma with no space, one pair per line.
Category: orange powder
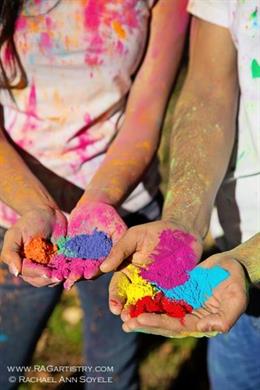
39,250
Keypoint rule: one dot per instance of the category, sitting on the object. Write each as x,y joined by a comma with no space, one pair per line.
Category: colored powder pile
199,287
79,256
160,304
63,266
173,258
39,250
86,246
135,287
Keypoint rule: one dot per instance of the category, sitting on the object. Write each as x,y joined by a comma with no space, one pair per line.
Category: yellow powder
136,287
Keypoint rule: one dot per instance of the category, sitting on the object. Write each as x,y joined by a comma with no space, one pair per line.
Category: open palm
218,315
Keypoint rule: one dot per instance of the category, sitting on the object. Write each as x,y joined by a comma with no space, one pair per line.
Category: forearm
19,188
201,146
248,254
137,142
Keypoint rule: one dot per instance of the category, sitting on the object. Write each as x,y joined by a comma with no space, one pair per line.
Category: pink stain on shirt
93,13
32,101
45,41
21,23
173,258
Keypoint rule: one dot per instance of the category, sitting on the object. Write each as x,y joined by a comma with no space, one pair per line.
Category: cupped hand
137,247
84,219
218,315
46,222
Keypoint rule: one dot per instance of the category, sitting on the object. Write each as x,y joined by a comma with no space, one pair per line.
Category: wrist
191,217
47,206
248,254
97,195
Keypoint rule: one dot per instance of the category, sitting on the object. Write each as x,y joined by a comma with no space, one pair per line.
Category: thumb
117,296
60,226
124,248
11,251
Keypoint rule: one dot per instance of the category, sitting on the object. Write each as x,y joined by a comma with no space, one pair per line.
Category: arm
204,128
134,147
23,192
248,254
20,189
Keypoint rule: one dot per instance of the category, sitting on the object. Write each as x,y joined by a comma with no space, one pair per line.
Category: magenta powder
63,266
172,258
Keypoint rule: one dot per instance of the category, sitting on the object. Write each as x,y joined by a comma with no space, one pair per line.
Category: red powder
160,304
39,250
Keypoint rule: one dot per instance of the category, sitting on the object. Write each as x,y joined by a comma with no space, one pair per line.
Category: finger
154,331
117,295
60,227
33,270
36,282
124,248
125,314
135,325
71,280
175,330
119,229
11,251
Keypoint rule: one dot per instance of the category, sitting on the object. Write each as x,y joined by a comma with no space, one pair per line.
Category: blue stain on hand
199,288
3,338
86,246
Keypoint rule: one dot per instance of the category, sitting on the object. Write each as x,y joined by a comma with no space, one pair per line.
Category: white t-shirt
238,201
79,57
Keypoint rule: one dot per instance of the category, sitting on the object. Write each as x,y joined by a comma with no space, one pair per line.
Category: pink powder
45,41
173,258
62,267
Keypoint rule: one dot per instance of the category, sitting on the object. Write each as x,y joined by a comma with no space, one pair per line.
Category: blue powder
3,338
199,287
86,246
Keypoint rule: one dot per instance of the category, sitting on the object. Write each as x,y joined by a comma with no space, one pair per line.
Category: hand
218,315
138,246
46,222
84,219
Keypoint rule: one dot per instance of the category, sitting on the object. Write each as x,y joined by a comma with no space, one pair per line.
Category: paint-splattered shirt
239,198
79,57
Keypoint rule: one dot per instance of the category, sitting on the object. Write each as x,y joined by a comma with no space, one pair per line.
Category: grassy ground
164,363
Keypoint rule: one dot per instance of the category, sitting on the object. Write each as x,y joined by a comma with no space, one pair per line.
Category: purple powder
88,246
173,258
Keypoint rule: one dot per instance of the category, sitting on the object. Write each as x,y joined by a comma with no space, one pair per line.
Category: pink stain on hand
173,258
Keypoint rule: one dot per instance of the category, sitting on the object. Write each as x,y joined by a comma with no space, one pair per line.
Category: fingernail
103,267
14,271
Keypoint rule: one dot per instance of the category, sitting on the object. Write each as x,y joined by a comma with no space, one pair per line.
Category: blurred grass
164,363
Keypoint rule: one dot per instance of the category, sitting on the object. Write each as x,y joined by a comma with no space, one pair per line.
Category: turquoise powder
199,287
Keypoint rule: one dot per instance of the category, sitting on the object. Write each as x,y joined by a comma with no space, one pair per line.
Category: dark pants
25,310
233,358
